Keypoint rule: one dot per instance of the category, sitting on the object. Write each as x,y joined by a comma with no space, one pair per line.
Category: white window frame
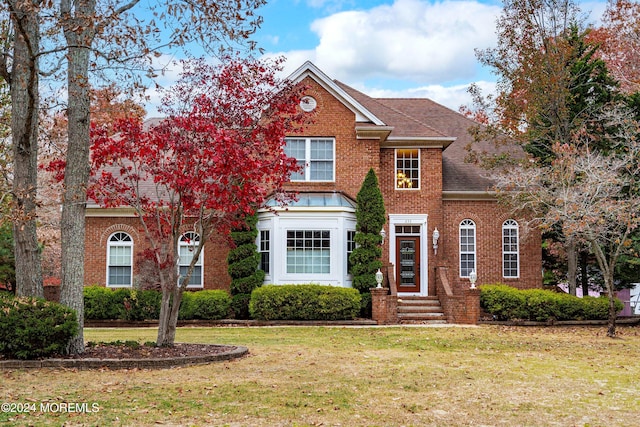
467,226
195,238
314,237
510,240
307,162
351,245
400,171
122,242
264,247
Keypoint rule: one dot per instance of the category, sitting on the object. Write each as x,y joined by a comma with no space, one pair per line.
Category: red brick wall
488,217
354,158
100,228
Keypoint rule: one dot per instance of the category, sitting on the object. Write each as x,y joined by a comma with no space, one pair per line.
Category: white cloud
410,39
453,96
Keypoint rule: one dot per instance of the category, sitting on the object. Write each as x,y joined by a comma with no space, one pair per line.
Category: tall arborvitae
370,217
243,261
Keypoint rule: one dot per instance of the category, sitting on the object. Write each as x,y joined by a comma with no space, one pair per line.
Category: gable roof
411,121
308,69
422,117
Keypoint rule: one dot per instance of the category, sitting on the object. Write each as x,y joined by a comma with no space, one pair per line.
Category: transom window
467,247
315,156
120,260
510,250
407,229
408,169
309,251
186,249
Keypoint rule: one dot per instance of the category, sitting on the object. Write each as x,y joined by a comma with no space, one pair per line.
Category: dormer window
408,169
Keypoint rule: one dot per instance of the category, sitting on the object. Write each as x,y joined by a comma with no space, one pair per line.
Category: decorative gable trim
308,69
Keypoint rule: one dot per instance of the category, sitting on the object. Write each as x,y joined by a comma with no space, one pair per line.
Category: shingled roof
421,117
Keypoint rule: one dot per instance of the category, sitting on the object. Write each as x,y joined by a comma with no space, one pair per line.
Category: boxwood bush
102,303
131,304
304,302
508,303
205,305
33,327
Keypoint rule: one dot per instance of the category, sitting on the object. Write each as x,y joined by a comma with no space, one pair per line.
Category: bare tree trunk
572,264
165,309
613,313
24,128
584,260
79,35
169,317
607,266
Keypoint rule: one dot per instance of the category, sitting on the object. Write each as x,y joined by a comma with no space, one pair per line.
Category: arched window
120,260
467,247
186,248
510,249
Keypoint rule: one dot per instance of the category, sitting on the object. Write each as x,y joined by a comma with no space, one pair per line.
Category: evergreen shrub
132,304
33,327
243,261
508,303
304,302
205,305
370,218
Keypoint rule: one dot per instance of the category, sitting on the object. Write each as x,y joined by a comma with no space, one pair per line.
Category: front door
408,263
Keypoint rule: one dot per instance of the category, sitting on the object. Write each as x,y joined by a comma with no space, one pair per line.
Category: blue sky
389,48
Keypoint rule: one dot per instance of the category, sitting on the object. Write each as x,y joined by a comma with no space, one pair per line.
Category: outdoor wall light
383,234
436,236
473,277
379,278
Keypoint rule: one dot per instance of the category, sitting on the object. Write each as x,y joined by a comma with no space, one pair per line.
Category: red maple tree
215,159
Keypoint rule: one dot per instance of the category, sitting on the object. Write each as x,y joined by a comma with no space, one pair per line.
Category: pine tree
243,261
370,217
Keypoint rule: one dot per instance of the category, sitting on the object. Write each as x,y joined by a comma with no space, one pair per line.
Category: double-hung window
351,245
186,249
315,157
265,252
120,260
467,247
510,251
408,169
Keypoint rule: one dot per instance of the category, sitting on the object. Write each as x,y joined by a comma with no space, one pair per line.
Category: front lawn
385,376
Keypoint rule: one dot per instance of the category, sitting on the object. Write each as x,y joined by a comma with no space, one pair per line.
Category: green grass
304,376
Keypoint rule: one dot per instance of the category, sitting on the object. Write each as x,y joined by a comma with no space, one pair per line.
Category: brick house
417,149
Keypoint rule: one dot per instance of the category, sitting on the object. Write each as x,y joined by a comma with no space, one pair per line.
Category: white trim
470,225
513,225
306,169
337,223
422,221
200,262
308,69
395,165
121,243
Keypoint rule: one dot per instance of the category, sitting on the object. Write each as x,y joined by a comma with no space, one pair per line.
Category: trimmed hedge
508,303
31,328
205,305
304,302
102,303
